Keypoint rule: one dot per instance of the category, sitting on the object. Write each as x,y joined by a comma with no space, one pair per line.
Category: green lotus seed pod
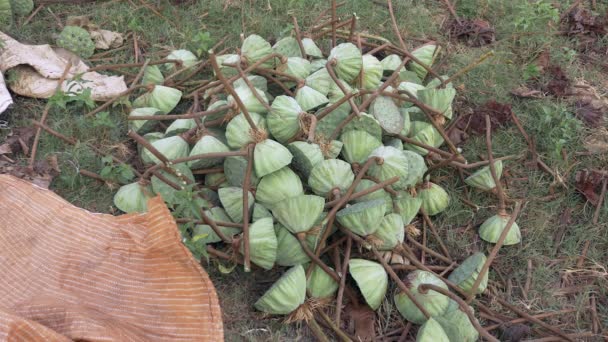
77,40
371,279
434,198
431,331
433,302
465,275
286,294
493,227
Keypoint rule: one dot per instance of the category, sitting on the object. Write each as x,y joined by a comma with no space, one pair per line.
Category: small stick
595,326
466,69
581,259
577,336
339,33
394,23
334,327
197,157
425,146
214,226
379,48
344,271
246,250
219,223
353,25
428,250
367,191
405,331
528,279
499,191
254,91
464,307
428,221
600,202
208,171
317,331
45,114
493,253
296,28
135,48
91,175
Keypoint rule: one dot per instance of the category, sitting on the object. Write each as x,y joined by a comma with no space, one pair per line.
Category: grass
524,29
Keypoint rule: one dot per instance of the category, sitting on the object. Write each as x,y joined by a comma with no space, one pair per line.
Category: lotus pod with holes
288,47
77,40
167,192
407,206
365,122
434,198
270,156
235,169
289,250
363,218
393,163
207,144
320,284
133,198
391,232
372,280
433,302
217,214
161,97
390,63
311,48
465,275
299,213
286,294
232,201
255,48
262,243
305,156
457,325
152,76
394,142
335,90
431,331
388,115
249,100
372,72
426,54
439,100
493,227
320,81
482,179
358,145
409,76
425,133
171,147
143,126
407,124
331,174
239,133
216,105
309,99
278,186
348,61
284,118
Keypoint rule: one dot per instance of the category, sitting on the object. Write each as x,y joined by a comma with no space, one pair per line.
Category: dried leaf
474,32
589,183
581,21
526,92
558,81
500,114
590,113
363,319
515,333
18,141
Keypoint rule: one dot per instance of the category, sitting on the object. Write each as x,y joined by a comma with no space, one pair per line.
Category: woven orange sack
69,274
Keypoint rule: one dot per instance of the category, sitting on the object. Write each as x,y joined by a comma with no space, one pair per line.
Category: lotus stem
333,106
296,28
499,191
147,145
334,19
378,48
428,250
428,221
254,91
464,307
341,334
246,180
333,76
378,186
344,271
394,23
133,65
467,68
90,174
197,157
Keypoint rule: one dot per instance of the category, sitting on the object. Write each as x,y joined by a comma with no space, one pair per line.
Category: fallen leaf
500,114
589,113
526,92
589,183
475,32
558,81
581,21
363,319
515,333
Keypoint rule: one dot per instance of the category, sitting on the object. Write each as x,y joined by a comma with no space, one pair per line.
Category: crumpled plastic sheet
69,274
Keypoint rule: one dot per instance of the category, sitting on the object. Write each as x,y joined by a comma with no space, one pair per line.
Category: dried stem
296,28
427,250
367,191
344,271
193,115
317,331
394,23
428,221
333,106
246,180
332,74
254,91
600,202
353,26
450,7
147,145
132,65
90,174
343,337
467,68
334,19
197,157
499,191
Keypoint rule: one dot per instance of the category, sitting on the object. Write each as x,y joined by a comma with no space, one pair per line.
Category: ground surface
539,275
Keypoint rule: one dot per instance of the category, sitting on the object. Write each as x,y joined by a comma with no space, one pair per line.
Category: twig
428,250
600,202
450,7
179,116
45,113
499,191
27,20
344,271
296,28
334,327
467,68
394,23
405,331
595,324
428,221
464,307
581,259
316,330
246,180
528,280
353,26
333,23
90,174
132,65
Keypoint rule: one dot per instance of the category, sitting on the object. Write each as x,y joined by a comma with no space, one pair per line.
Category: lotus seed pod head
457,325
286,294
206,234
309,98
150,137
235,169
299,213
318,64
431,331
216,105
152,75
180,126
239,133
161,97
416,170
425,133
372,280
320,284
493,227
186,58
207,144
270,156
263,243
391,232
411,88
394,142
167,192
362,218
133,198
348,61
297,67
393,163
409,76
255,48
228,71
482,178
257,81
378,194
372,72
259,212
358,145
390,63
232,201
433,302
407,206
320,81
465,275
434,198
388,115
439,100
331,149
249,100
426,54
331,174
289,250
143,126
365,122
327,125
311,48
288,47
407,124
284,118
77,40
305,156
172,148
278,186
